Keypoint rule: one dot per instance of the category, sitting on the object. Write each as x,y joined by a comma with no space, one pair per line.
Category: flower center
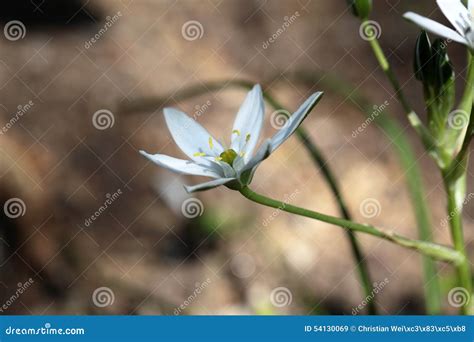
228,156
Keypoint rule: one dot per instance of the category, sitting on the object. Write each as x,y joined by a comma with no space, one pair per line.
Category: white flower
233,166
458,15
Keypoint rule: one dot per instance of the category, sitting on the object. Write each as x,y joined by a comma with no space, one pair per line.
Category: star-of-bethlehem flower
459,16
233,166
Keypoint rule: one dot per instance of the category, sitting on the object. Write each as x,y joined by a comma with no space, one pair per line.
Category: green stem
455,190
433,250
431,281
409,163
318,158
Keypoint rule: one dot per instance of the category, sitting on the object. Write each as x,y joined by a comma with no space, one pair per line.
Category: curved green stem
409,163
433,250
431,282
318,158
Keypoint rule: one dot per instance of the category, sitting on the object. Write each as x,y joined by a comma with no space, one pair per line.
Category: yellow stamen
236,131
211,143
247,138
199,154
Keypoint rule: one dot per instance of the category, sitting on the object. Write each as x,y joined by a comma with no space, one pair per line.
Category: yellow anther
217,158
211,143
199,154
247,138
236,131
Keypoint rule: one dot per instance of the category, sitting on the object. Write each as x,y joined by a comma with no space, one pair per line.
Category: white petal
294,121
470,6
248,123
190,136
181,166
456,13
208,185
262,153
434,27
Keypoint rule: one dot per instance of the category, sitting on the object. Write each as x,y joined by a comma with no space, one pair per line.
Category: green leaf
423,63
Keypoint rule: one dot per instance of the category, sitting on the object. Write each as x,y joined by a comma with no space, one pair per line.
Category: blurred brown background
142,255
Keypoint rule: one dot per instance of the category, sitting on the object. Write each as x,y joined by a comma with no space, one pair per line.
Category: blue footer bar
237,328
